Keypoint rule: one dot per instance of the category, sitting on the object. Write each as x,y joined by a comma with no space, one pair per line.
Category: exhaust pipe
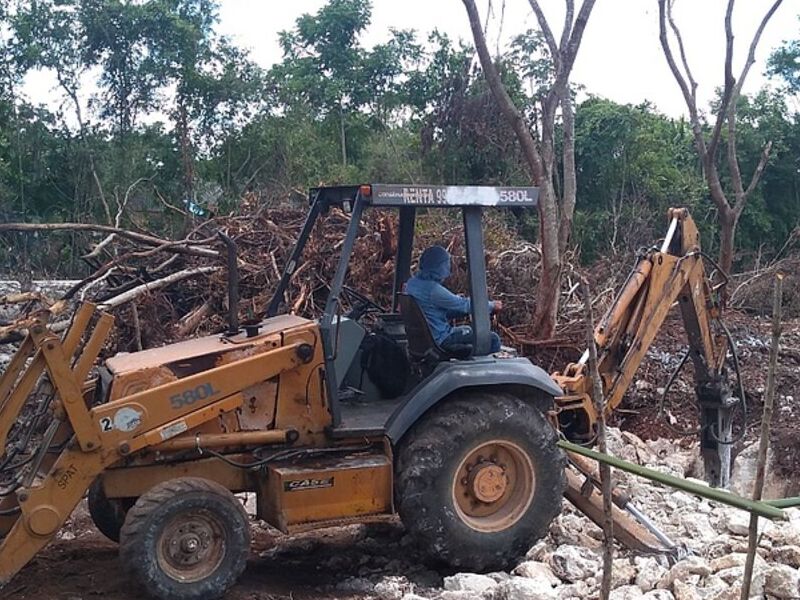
233,283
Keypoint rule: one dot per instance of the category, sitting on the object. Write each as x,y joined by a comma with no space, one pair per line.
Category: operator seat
421,345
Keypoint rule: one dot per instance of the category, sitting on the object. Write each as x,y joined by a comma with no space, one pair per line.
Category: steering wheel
361,304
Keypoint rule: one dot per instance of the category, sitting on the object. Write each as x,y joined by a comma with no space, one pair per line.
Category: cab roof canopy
436,196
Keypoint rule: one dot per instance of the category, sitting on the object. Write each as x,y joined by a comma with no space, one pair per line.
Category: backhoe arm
675,273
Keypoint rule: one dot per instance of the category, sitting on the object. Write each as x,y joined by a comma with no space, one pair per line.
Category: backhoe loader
461,445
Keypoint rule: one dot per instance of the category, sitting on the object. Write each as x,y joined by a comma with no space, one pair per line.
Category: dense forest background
182,125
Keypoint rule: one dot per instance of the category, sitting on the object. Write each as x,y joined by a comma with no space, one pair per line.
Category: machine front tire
186,539
108,514
479,479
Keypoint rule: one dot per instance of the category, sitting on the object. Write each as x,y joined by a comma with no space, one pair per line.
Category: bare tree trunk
187,158
570,178
548,290
727,234
707,150
554,229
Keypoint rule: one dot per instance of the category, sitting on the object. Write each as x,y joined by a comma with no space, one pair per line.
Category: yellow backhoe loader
332,421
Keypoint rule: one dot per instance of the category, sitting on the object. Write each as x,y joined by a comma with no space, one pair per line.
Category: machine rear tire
186,539
108,514
479,479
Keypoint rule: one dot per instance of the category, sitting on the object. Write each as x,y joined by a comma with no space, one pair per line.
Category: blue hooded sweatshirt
438,304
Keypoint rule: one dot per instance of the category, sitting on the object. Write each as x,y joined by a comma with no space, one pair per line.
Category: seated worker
439,304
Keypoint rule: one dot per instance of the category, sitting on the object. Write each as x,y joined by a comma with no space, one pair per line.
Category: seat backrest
420,339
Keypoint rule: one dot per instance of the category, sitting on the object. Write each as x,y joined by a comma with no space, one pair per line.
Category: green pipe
761,509
783,502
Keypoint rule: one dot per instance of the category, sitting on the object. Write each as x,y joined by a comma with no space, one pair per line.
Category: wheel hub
489,482
192,546
494,485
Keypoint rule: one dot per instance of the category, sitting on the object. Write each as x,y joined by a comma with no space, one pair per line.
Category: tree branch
694,118
676,32
506,105
571,51
181,247
547,32
569,15
762,163
155,285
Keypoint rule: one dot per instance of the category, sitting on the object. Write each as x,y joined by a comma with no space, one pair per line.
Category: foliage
184,114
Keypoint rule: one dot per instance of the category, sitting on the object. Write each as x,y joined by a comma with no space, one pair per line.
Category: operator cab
371,371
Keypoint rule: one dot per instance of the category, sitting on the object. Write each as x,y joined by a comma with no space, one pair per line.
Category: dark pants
463,335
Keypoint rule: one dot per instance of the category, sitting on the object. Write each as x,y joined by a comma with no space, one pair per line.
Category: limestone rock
392,588
522,588
684,591
537,570
469,582
459,595
626,592
623,573
786,555
574,563
658,595
650,572
782,581
683,572
737,559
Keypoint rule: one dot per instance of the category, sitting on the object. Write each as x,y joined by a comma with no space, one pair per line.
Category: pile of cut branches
164,290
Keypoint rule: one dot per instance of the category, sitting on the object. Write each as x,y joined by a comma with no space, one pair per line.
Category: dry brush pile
165,290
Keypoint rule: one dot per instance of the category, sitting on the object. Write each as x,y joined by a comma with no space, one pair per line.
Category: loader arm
76,443
673,273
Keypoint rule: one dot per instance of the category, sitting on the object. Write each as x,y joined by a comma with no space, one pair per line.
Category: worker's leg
463,335
495,346
460,335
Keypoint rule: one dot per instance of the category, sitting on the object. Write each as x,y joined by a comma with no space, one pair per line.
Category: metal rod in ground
763,442
762,509
605,469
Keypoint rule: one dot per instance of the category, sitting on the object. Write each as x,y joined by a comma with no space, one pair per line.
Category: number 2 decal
106,424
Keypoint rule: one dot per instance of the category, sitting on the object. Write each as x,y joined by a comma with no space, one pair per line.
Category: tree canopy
180,124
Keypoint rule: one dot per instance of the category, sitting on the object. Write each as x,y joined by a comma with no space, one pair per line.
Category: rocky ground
379,561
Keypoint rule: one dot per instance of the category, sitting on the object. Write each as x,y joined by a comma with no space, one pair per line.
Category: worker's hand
498,305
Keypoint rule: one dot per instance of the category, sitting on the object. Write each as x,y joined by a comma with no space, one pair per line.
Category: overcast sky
620,57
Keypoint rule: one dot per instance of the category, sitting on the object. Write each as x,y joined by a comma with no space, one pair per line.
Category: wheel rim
191,546
493,486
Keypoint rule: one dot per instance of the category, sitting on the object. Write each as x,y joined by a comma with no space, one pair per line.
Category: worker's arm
455,305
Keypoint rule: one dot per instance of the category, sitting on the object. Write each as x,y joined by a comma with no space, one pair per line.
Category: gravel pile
567,564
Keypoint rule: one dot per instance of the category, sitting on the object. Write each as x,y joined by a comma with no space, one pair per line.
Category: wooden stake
605,469
763,443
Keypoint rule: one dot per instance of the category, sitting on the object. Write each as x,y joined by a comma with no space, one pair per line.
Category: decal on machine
189,397
171,431
126,419
307,484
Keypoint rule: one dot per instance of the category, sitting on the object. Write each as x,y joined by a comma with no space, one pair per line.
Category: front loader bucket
43,417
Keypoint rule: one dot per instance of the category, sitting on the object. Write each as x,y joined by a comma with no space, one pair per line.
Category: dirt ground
333,563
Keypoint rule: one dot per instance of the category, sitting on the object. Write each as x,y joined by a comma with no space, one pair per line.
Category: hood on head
434,264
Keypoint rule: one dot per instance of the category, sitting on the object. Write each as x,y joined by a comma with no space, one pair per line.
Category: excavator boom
671,274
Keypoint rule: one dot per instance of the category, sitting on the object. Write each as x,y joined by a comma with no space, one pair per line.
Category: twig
763,443
605,470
